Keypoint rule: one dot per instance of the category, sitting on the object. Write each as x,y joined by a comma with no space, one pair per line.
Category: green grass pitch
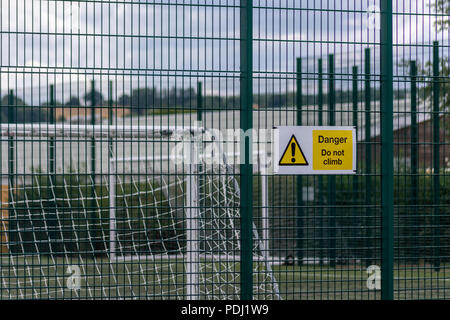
39,277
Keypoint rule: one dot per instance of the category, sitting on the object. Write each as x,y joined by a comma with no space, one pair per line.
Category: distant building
402,142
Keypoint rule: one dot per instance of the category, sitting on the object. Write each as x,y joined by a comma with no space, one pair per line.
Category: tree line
143,101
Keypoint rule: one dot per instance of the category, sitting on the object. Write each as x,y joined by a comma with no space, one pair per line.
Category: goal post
162,232
192,228
191,205
194,256
3,218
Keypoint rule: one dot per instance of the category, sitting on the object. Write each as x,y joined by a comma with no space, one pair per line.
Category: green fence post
93,218
11,120
331,179
93,102
112,223
355,188
414,164
110,116
246,166
320,200
199,102
299,178
200,144
52,139
436,158
387,152
368,156
51,219
11,160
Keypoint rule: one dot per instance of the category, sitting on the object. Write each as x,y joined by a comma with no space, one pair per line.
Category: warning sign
314,150
332,149
293,154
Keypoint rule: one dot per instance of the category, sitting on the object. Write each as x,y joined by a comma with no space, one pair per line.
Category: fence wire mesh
126,171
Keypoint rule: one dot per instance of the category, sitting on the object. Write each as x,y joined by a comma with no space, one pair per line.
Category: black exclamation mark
293,151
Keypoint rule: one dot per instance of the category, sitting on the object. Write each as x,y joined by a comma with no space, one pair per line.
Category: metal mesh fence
126,163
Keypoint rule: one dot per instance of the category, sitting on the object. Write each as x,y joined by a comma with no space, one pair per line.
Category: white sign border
307,147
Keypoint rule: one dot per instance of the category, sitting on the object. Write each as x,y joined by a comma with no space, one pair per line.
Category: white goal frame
192,256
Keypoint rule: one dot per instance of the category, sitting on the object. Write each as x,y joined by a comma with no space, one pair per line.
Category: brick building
402,143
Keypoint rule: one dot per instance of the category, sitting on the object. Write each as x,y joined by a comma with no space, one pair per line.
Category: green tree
142,99
442,7
425,71
73,102
22,113
15,100
124,100
98,98
56,104
442,24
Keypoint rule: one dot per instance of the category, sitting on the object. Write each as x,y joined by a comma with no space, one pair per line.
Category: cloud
139,43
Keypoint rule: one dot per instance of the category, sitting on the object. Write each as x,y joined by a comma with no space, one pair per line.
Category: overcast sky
152,44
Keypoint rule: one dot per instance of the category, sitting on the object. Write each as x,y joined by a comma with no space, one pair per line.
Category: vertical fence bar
112,165
246,167
320,200
110,116
368,156
199,151
51,217
414,163
355,189
93,102
331,179
93,173
52,139
11,140
192,229
436,158
299,178
387,152
199,102
11,160
200,121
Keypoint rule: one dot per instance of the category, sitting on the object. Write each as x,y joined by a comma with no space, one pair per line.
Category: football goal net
142,224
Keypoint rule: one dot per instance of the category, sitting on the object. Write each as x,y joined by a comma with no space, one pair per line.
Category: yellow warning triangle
293,154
